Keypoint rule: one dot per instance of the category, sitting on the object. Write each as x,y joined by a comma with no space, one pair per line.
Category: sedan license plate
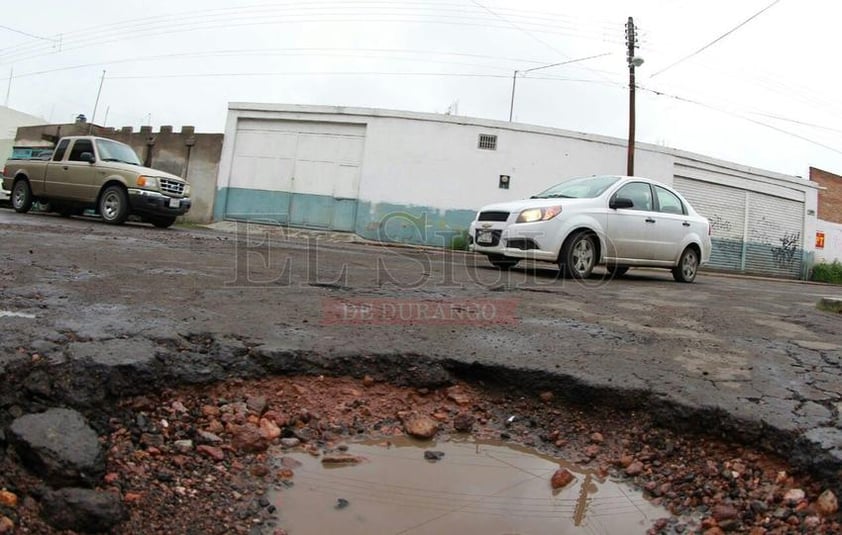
485,237
175,203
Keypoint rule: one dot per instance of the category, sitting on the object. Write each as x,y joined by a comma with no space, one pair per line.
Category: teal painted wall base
384,222
426,225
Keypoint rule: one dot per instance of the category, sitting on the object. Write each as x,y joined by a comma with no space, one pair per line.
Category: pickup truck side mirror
87,157
620,202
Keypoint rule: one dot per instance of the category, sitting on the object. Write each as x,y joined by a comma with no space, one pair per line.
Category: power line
27,34
743,117
721,37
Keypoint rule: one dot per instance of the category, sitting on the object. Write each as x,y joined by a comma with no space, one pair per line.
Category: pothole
457,486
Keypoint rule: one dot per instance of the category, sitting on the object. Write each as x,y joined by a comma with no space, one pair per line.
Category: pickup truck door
72,178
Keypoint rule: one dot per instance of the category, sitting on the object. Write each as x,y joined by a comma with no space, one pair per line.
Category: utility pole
98,93
633,61
514,75
9,87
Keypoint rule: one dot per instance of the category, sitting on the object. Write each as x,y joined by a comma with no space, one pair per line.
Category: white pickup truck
87,172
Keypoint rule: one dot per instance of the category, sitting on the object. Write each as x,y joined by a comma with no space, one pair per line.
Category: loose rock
248,439
6,525
464,423
421,426
431,455
827,504
341,458
561,478
82,510
634,469
8,499
211,451
58,445
794,496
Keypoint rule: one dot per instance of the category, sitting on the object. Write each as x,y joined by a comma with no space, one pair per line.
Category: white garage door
751,231
297,172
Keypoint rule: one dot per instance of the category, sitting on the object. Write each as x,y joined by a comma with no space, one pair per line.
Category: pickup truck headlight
538,214
186,190
147,182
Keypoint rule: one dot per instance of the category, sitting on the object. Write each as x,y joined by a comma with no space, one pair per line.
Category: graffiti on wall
784,255
720,223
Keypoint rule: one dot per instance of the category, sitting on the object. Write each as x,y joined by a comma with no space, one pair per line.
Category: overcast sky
766,94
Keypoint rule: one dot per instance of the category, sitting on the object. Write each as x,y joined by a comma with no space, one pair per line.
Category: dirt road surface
124,309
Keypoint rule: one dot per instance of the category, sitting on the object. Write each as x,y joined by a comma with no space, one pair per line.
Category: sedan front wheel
579,256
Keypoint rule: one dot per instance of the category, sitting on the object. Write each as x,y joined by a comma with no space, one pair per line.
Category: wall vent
487,142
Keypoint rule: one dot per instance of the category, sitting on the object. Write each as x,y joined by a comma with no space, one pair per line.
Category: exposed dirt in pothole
202,459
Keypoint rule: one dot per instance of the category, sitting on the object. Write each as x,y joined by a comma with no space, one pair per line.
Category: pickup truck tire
163,221
114,205
21,196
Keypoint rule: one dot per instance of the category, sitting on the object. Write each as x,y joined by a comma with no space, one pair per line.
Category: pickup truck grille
173,187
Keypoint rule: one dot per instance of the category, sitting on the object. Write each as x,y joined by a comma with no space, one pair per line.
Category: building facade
419,179
829,226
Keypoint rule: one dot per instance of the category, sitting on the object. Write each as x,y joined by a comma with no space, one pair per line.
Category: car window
668,202
80,146
640,194
60,150
579,188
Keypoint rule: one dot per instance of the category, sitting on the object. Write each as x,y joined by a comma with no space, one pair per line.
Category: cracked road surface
751,359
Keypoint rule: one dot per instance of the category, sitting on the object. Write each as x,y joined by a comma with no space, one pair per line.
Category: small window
487,142
80,146
60,150
668,202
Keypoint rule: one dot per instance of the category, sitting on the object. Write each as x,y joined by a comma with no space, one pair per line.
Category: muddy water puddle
475,487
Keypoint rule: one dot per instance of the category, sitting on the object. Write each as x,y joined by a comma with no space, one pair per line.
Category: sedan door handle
686,224
650,220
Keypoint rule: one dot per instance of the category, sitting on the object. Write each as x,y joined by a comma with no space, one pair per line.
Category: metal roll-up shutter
775,237
725,208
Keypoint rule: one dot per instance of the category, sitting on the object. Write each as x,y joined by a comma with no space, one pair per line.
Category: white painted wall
832,241
433,160
10,120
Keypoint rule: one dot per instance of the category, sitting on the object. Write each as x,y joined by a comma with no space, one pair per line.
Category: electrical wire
721,37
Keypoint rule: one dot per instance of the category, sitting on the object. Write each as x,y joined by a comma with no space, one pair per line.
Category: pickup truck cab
88,172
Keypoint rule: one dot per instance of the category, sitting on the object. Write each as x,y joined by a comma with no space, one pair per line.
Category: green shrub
828,272
460,241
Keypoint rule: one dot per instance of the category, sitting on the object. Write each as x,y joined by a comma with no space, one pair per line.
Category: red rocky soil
200,459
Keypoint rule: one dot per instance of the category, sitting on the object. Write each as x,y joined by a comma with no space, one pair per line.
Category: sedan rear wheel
579,256
687,266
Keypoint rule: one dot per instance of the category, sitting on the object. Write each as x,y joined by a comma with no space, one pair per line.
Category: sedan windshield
579,188
113,151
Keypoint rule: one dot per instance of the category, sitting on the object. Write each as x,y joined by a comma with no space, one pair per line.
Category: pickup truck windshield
113,151
579,188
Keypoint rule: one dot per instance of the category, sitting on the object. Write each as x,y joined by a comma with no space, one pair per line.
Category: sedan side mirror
87,157
620,202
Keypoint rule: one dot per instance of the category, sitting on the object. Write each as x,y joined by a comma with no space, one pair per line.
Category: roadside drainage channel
123,368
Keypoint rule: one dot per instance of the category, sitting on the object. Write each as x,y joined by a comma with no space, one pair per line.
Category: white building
10,120
419,178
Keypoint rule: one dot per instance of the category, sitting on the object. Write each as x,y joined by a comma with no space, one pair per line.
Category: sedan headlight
147,182
538,214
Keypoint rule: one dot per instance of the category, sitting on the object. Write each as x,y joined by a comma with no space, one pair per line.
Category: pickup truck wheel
21,196
163,221
114,205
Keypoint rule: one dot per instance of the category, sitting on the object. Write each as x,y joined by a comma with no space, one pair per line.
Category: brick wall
830,199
